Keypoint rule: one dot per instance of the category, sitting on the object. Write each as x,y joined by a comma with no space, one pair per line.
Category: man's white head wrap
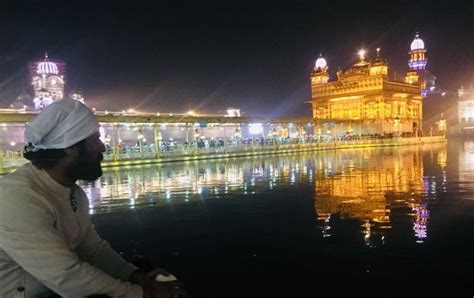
61,125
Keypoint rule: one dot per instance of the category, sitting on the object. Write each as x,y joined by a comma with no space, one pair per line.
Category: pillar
114,143
157,140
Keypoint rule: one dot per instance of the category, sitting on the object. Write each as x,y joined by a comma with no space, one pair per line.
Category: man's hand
172,289
156,289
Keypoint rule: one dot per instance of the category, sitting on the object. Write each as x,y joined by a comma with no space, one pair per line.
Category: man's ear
72,151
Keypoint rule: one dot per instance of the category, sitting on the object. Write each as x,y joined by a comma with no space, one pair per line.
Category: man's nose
102,147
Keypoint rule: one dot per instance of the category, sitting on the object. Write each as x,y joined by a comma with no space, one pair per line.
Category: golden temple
364,101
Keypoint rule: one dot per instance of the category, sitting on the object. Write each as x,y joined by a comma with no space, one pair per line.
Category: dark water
354,222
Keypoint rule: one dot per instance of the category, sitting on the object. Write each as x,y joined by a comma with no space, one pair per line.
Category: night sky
207,56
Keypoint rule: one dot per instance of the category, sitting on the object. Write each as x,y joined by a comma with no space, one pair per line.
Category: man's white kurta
45,244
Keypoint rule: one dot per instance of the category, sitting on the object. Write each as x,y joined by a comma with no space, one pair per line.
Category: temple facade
364,101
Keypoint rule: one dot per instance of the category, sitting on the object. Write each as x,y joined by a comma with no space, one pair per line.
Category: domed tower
417,53
418,74
320,73
48,77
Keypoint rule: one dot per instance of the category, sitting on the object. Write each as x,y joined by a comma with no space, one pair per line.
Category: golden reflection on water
355,185
361,184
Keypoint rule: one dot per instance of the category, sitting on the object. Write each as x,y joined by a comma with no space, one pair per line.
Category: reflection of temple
354,186
363,100
466,162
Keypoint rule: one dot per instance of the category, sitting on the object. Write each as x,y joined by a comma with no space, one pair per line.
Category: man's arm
28,236
96,251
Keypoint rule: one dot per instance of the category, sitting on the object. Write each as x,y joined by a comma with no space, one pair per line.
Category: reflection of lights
420,226
367,232
326,226
366,182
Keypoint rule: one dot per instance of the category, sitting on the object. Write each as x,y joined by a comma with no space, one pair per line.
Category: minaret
418,74
418,58
320,73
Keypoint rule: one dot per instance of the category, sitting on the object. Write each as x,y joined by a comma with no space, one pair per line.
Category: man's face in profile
87,166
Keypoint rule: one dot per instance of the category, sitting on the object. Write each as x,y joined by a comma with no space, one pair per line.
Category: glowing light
255,128
320,63
233,112
417,43
190,113
12,143
102,134
157,113
47,67
418,64
131,111
362,53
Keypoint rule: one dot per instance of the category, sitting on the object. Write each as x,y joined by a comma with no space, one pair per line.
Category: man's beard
86,169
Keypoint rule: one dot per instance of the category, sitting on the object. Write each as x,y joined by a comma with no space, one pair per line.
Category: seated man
47,241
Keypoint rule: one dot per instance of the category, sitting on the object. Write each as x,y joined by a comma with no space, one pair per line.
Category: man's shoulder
21,182
21,176
22,189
